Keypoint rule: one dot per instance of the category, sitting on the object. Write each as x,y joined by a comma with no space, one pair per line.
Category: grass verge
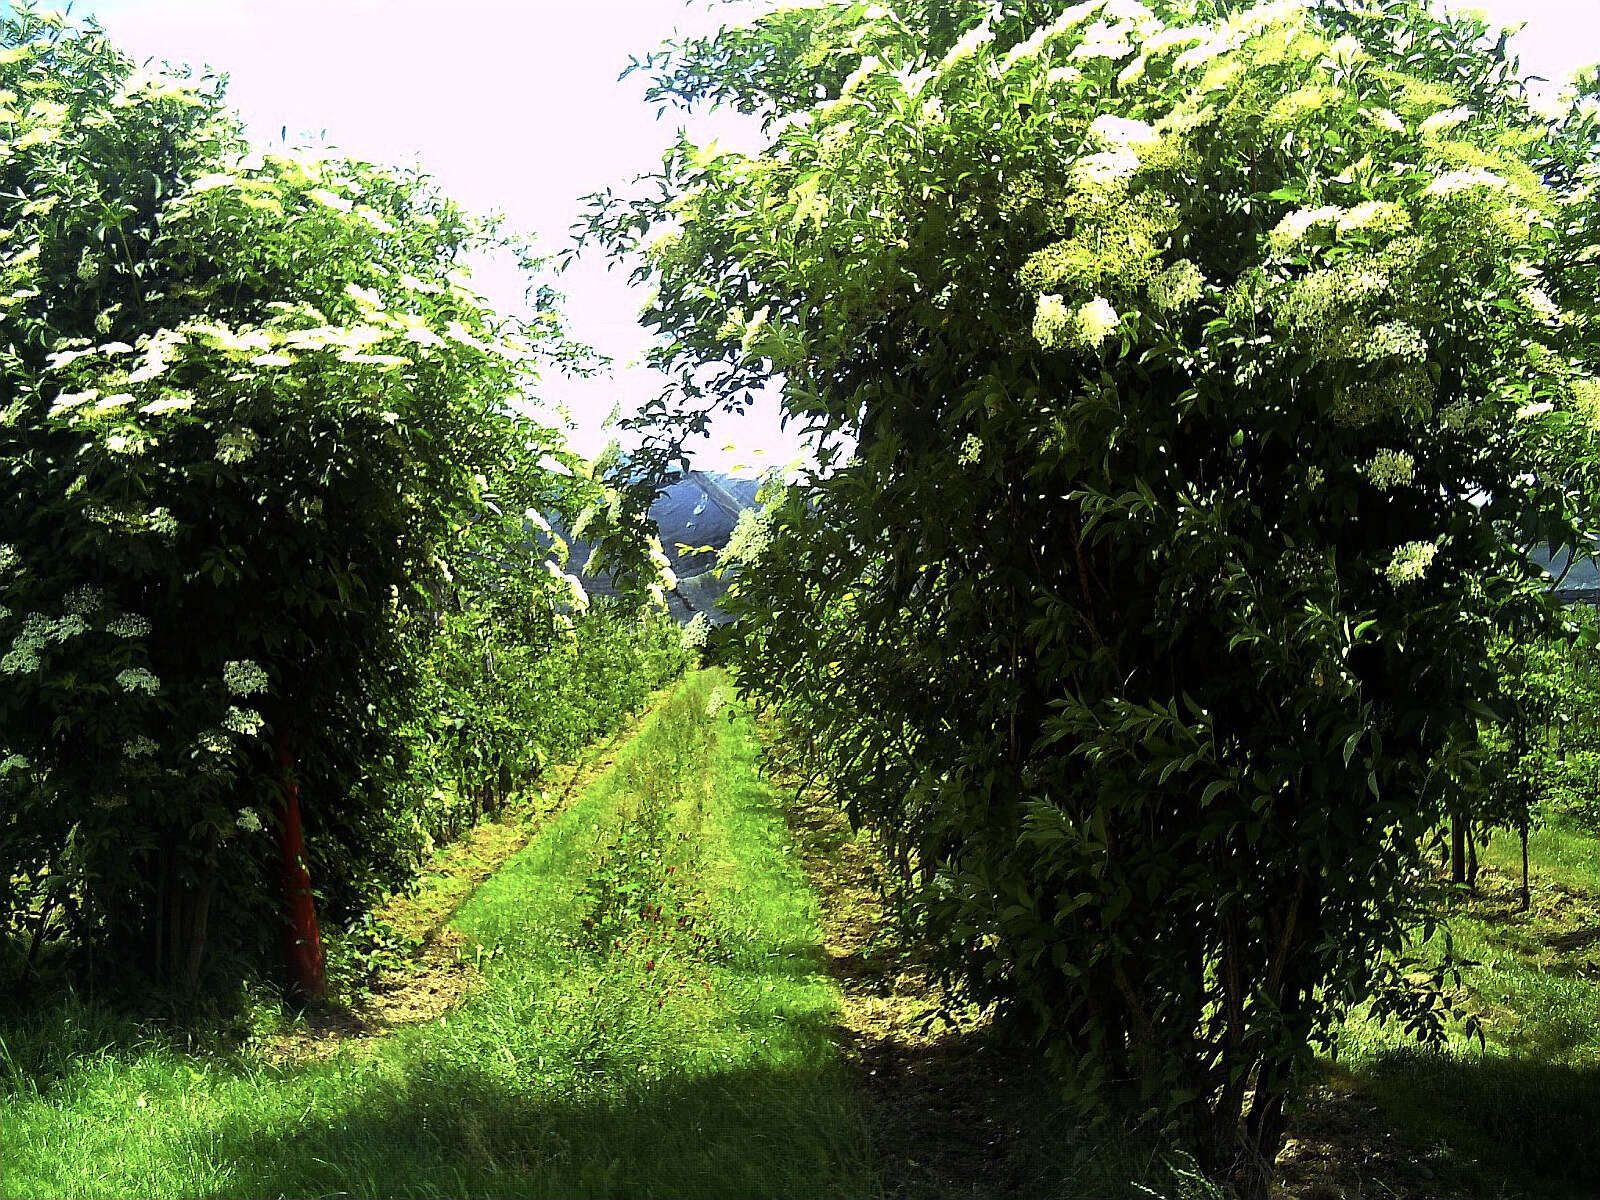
1515,1118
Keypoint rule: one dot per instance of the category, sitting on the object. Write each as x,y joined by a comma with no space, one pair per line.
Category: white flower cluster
1586,401
717,701
1118,133
1375,216
1109,169
19,660
246,722
971,452
1443,122
751,536
128,625
139,747
1179,285
1453,183
242,677
137,679
1390,469
1052,322
1394,339
1054,325
1292,229
693,635
1096,321
1410,562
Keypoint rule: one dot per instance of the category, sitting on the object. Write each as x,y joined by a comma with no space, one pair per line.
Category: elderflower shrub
1222,286
270,420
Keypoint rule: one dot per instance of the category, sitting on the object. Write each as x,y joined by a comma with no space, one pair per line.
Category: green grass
1518,1115
674,1041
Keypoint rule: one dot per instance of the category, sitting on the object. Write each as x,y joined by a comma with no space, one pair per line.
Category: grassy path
653,1019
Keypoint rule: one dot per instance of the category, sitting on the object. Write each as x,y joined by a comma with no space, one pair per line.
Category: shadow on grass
447,1128
1501,1125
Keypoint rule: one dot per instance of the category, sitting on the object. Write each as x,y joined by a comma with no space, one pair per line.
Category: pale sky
514,105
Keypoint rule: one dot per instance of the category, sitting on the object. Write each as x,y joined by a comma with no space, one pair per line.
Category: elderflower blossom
1101,41
1386,119
1410,562
1586,401
1395,339
1112,132
69,626
1454,182
1443,122
128,625
139,747
244,721
1375,216
693,635
1180,284
19,660
242,677
1096,321
1052,323
1292,229
1390,469
967,45
137,679
1108,169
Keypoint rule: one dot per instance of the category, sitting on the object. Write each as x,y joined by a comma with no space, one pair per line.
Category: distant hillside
698,510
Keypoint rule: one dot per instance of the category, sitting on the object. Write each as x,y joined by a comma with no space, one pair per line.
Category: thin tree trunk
1526,898
1472,862
199,914
1458,850
38,936
302,940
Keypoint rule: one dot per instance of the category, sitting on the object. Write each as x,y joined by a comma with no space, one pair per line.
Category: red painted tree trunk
302,942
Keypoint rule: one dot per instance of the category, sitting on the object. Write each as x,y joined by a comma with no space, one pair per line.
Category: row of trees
1189,379
273,525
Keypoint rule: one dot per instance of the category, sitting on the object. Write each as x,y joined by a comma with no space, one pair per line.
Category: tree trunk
1458,850
1525,900
1472,861
199,915
302,940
